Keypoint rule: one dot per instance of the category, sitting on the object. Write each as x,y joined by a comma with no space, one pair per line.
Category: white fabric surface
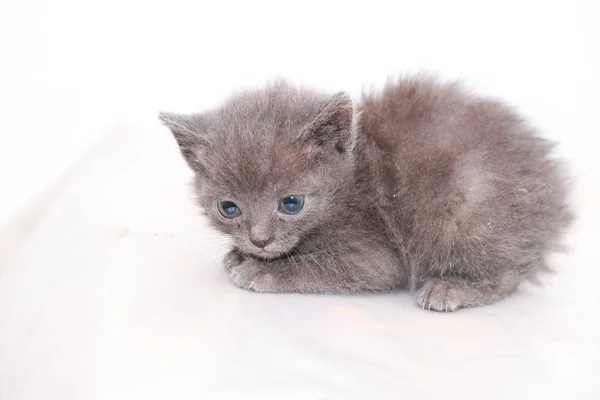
112,288
111,285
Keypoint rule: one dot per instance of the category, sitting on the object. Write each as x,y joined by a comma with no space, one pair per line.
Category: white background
111,286
70,69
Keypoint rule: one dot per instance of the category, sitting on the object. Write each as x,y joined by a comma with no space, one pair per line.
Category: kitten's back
464,177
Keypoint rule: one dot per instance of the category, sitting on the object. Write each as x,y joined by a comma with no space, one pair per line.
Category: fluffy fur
422,185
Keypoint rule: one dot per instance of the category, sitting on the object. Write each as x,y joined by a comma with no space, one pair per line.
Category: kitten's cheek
293,242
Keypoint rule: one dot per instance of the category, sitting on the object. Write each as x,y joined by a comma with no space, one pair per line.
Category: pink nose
261,241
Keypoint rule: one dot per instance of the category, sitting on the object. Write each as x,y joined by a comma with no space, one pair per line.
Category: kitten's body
422,186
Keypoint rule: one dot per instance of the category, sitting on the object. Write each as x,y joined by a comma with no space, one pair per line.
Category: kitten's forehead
254,144
259,166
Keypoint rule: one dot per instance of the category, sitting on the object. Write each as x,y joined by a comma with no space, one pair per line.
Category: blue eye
228,209
291,204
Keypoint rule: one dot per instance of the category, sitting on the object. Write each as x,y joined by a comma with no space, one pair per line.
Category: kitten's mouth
266,254
273,251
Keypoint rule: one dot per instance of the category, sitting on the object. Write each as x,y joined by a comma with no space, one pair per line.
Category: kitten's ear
332,129
190,133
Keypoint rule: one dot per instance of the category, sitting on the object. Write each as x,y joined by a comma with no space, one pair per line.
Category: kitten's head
271,166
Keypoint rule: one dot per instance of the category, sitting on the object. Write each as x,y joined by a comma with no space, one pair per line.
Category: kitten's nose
261,242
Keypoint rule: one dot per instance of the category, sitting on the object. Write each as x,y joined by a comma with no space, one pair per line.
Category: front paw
233,259
251,274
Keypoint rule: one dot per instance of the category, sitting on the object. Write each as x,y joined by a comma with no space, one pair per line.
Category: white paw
251,276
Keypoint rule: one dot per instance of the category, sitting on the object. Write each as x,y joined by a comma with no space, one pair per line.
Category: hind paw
437,295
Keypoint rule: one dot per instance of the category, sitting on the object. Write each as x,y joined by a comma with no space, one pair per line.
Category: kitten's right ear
190,133
332,129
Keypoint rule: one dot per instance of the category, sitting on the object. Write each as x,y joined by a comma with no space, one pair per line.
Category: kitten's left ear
190,133
332,129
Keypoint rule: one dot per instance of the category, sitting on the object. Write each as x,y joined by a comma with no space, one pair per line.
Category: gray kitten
422,186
